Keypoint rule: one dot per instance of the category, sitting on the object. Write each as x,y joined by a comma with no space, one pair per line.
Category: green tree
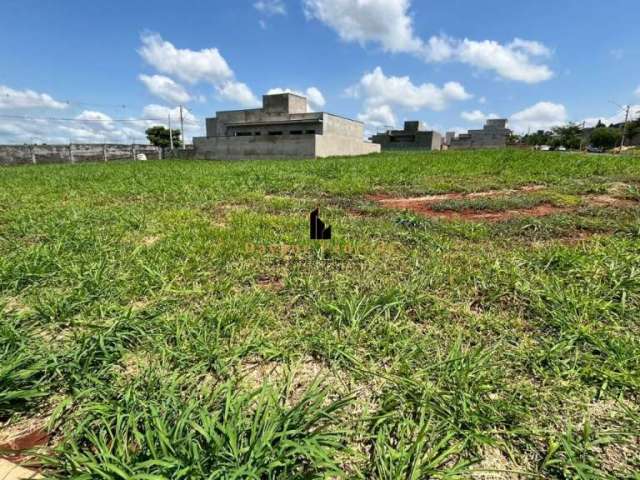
606,138
569,136
633,129
539,138
514,139
159,136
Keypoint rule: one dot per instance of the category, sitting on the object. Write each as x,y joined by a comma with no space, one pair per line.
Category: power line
75,102
99,120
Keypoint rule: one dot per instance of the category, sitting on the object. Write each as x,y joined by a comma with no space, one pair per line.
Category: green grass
172,320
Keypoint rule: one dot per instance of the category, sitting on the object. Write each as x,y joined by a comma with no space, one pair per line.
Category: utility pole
624,129
584,123
170,133
182,136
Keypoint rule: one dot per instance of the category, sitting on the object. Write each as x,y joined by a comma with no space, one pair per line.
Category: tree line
574,136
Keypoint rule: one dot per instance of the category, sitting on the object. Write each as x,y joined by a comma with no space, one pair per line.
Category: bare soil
423,205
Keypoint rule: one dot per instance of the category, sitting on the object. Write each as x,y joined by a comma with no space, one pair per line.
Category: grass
171,319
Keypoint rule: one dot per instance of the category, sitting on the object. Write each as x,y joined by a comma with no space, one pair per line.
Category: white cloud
239,93
271,7
188,65
313,95
379,89
531,47
616,118
386,22
512,61
165,88
389,24
477,116
92,126
541,116
159,114
87,127
192,66
19,99
378,116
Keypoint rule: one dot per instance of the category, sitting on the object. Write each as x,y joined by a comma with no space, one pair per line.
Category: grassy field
172,320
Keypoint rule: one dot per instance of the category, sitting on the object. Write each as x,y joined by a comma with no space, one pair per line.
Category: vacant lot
476,315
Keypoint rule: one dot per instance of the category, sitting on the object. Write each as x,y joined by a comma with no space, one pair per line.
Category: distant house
410,138
494,134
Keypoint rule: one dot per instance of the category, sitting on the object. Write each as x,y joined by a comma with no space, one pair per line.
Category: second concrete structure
412,137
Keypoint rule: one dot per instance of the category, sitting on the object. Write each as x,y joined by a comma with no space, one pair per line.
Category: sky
83,72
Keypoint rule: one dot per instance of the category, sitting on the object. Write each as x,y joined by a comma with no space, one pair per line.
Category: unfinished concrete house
494,134
410,138
282,128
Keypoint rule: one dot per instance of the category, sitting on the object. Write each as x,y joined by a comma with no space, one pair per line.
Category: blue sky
113,68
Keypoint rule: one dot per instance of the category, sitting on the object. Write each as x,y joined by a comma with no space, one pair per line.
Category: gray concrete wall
493,135
341,146
303,146
241,148
75,153
335,125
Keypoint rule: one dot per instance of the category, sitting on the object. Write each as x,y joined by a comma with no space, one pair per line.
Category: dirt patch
150,240
15,305
496,465
256,372
19,440
425,209
269,282
392,202
608,201
424,205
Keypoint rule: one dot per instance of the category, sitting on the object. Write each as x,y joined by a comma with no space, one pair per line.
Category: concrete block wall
74,153
339,145
240,148
335,125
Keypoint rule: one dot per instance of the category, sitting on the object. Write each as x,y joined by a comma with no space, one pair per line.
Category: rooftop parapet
284,103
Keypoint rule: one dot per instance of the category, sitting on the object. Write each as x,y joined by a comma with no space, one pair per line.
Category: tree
633,129
159,136
514,139
569,136
600,124
539,138
606,138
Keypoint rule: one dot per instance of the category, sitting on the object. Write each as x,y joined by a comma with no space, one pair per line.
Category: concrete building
410,138
494,134
282,128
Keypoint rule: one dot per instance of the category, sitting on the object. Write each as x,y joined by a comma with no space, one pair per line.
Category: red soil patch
423,206
391,202
470,214
14,446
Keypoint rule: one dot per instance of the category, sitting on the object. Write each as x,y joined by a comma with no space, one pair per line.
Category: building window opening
257,134
275,133
296,132
310,132
243,134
